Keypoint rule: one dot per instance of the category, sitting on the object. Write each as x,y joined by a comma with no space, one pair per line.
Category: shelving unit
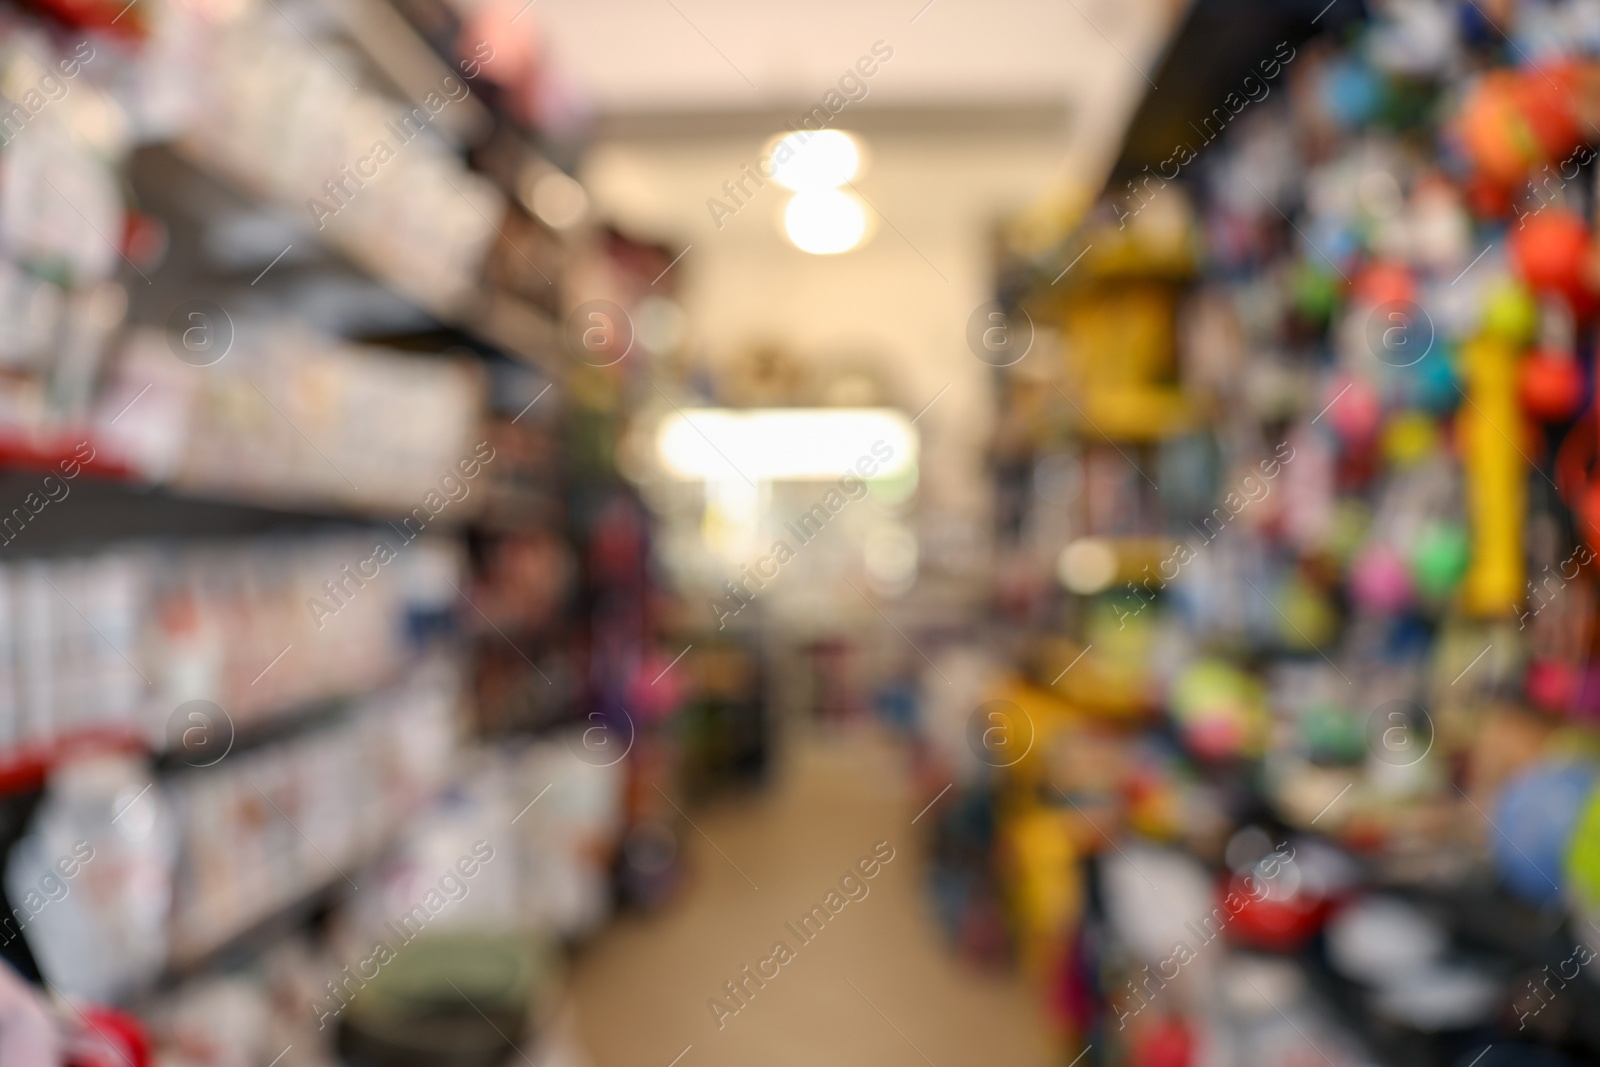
1264,713
496,596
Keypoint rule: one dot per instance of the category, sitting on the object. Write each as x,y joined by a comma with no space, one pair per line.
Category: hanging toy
1510,314
1383,281
1355,412
1316,291
1219,709
1515,121
1550,380
1439,558
1551,251
1380,581
1496,477
1550,385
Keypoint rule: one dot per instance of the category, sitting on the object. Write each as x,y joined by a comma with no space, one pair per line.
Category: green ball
1316,292
1440,558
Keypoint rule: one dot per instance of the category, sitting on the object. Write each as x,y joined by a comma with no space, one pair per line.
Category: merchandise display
1322,601
305,573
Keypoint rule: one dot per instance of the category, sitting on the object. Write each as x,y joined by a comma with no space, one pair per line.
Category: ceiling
721,55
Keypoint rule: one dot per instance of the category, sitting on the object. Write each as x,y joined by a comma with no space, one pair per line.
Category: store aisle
876,986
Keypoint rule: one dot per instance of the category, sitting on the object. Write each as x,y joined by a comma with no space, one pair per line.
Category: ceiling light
802,444
1087,566
804,160
825,221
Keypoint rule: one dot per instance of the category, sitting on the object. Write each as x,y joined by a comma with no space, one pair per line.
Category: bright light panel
825,159
825,222
774,444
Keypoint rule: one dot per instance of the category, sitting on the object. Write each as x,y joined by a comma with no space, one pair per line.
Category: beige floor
877,987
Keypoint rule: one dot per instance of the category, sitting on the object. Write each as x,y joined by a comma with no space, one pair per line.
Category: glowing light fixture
825,222
1087,566
825,159
772,444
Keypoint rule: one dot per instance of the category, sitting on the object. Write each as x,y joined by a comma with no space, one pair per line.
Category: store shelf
26,767
54,451
126,507
182,181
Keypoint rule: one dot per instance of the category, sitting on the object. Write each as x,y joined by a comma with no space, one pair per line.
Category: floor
877,986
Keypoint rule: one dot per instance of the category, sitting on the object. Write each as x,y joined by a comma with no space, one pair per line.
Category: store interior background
399,665
966,125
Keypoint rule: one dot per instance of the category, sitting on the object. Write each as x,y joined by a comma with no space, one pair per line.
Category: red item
1487,198
1273,925
1545,98
1166,1043
1551,251
1383,281
108,1039
1513,121
1588,510
1552,685
112,16
1575,479
1550,386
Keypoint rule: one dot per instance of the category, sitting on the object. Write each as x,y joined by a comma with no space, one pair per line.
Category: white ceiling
663,55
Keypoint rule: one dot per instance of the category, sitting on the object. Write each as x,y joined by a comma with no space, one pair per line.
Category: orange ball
1513,121
1499,141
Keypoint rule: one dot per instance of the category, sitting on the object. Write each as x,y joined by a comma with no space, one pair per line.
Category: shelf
176,181
126,506
252,932
47,451
26,767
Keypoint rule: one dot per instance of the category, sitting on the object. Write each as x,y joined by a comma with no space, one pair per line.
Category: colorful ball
1316,291
1351,92
1496,136
1552,685
1510,313
1551,251
1356,412
1550,386
1219,709
1512,121
1545,99
1382,281
1379,580
1439,559
1435,386
1409,437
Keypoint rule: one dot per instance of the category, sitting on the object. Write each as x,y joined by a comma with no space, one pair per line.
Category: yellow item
1496,478
1046,890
